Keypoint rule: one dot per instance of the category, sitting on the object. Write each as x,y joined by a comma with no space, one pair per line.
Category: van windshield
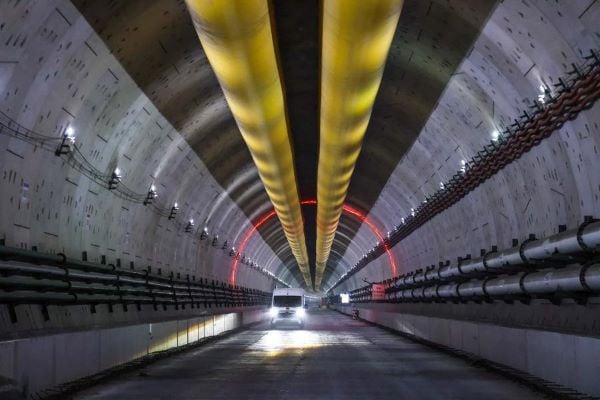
287,301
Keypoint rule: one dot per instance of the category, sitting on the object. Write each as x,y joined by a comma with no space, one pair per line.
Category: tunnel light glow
542,95
115,179
70,133
190,226
173,212
275,342
346,209
345,297
151,195
495,135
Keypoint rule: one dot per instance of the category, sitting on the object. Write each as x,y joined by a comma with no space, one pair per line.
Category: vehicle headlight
301,312
273,312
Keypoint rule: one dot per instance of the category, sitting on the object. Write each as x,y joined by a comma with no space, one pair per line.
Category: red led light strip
346,208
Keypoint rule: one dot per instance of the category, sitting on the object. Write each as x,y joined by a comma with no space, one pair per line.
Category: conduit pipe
586,237
524,262
23,284
569,280
238,40
356,38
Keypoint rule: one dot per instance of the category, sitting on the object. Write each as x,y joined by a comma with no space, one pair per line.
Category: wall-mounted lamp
495,135
225,244
190,226
151,195
115,179
215,241
173,212
232,252
543,93
67,142
204,233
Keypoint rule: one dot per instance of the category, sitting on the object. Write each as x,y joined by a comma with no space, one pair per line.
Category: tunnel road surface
334,357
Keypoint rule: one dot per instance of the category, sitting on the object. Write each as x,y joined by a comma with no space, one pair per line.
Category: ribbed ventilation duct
357,35
237,38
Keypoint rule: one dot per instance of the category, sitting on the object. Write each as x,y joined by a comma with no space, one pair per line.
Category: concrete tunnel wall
38,364
525,44
57,73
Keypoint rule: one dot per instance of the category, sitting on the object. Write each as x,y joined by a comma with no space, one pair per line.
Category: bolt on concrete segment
335,357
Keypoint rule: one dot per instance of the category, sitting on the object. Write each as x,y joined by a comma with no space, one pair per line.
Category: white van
288,307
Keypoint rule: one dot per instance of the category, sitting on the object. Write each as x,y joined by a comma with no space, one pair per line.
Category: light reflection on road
275,342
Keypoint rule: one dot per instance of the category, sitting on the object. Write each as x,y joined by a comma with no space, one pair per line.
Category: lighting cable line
66,148
572,94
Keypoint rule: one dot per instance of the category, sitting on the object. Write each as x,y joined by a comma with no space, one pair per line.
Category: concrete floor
335,357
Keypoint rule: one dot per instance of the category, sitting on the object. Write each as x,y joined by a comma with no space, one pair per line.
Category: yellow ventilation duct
237,38
356,38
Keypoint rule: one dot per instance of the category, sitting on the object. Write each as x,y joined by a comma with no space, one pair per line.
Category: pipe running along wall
357,35
238,40
35,278
562,263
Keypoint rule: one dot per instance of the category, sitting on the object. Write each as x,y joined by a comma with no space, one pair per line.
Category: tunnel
299,199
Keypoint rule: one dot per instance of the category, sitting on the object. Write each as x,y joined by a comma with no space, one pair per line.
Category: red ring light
346,208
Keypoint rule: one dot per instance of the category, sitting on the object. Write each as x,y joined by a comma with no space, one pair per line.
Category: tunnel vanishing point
423,175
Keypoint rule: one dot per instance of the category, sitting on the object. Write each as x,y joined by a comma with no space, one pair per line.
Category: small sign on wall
377,291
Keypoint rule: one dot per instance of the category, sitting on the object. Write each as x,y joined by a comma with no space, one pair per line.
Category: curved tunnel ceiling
157,45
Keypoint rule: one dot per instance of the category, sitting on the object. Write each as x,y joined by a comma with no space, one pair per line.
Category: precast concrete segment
238,41
356,40
334,358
